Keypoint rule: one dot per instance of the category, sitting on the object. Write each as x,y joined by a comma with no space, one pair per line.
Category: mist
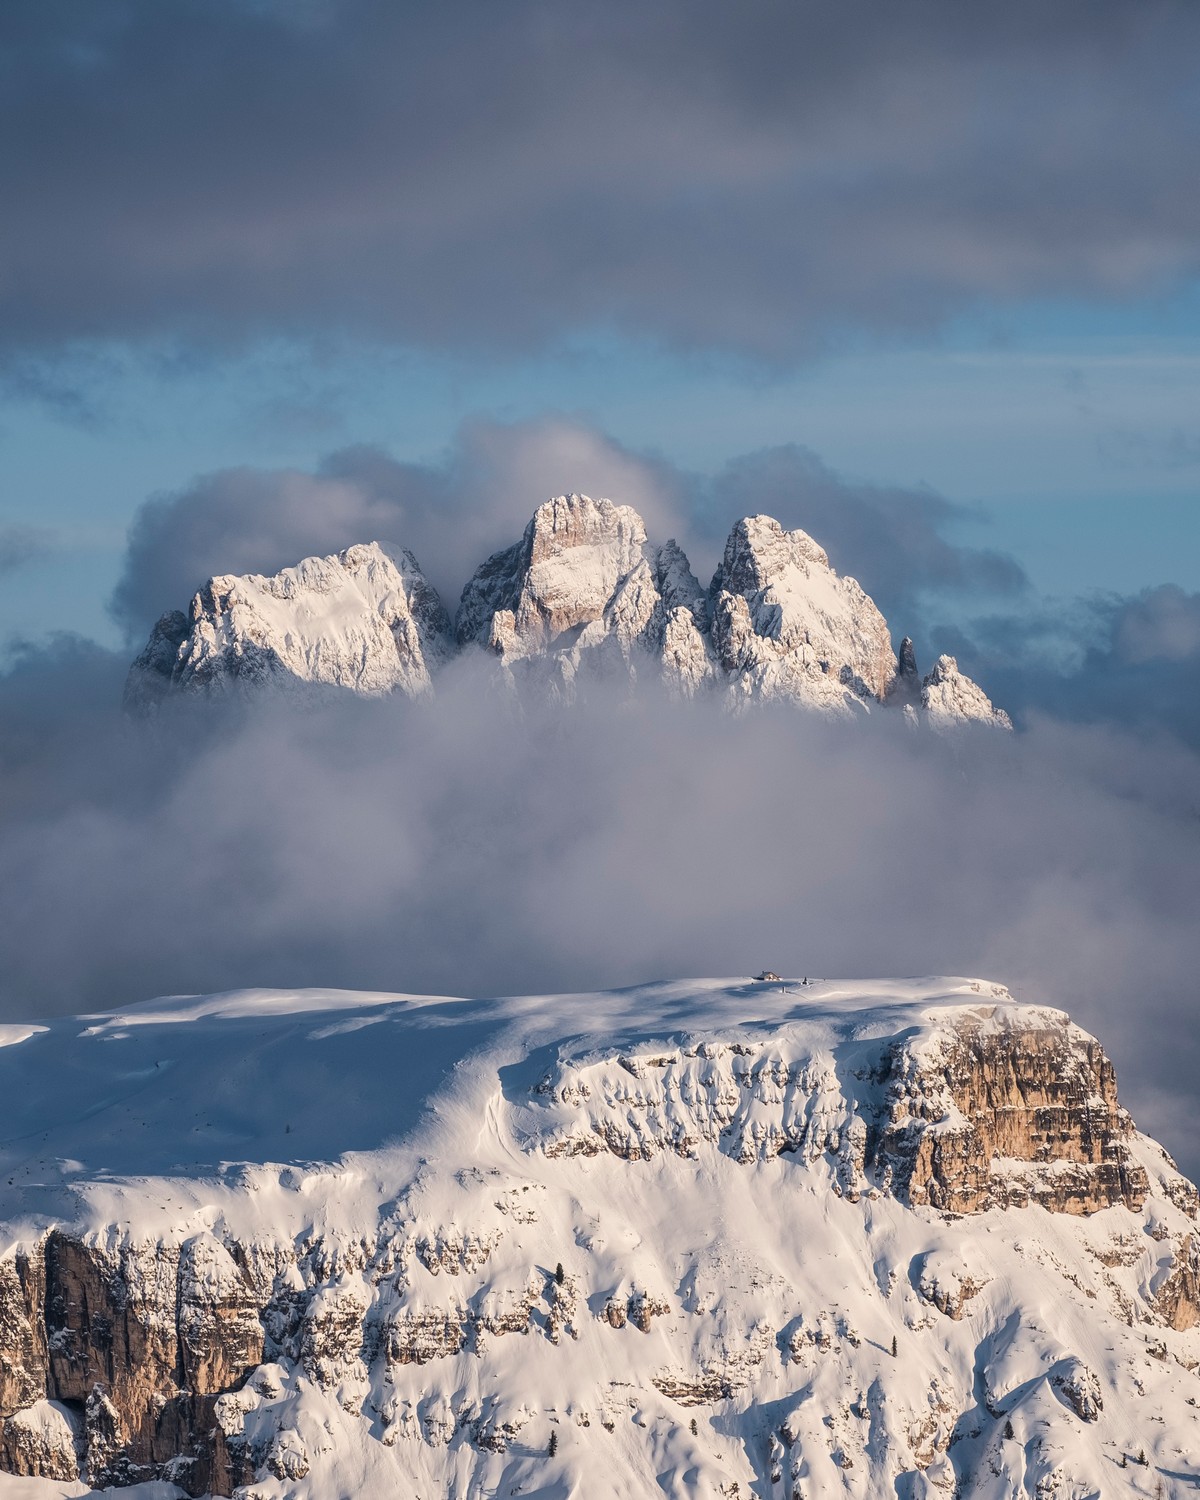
469,846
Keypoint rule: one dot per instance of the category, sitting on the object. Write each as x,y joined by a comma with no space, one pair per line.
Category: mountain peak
787,626
364,619
583,593
950,697
561,574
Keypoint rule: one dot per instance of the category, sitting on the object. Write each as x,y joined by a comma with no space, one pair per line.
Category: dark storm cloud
484,175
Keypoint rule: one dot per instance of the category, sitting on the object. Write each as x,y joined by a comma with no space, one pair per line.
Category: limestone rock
220,1331
996,1093
949,1282
1178,1297
786,626
949,697
583,596
24,1362
39,1441
584,591
1079,1387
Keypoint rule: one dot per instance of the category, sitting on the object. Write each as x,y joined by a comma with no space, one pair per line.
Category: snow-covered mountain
706,1238
364,619
583,592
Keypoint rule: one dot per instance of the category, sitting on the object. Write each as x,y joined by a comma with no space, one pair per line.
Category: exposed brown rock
702,1390
113,1340
417,1337
1079,1388
23,1357
1007,1107
220,1333
139,1340
124,1361
1045,1095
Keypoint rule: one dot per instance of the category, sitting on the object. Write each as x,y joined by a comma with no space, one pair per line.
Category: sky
278,277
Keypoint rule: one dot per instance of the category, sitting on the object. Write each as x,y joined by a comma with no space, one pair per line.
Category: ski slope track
706,1238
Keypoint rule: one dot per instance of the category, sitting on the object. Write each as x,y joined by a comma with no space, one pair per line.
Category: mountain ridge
583,593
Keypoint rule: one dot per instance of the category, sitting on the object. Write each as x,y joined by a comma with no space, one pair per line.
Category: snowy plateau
582,596
708,1238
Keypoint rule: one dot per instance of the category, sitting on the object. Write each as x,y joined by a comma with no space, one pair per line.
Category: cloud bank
460,848
499,177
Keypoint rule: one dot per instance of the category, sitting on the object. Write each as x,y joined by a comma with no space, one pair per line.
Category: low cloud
456,848
451,515
1161,624
1132,661
459,848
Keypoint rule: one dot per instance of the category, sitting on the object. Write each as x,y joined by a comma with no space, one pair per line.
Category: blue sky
1072,433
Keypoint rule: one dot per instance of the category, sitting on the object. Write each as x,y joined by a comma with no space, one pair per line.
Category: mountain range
583,595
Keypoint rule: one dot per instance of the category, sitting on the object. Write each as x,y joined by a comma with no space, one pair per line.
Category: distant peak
583,594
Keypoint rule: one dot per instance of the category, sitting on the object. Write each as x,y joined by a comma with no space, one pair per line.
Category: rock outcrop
999,1111
583,596
136,1343
787,627
1009,1105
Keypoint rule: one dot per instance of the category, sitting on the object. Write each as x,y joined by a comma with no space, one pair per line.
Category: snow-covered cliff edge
702,1238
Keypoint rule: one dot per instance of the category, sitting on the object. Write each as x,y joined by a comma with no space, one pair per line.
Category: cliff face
788,627
1004,1113
720,1211
133,1345
584,591
1006,1107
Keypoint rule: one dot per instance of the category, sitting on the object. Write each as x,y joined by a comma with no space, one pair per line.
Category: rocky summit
583,594
711,1238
